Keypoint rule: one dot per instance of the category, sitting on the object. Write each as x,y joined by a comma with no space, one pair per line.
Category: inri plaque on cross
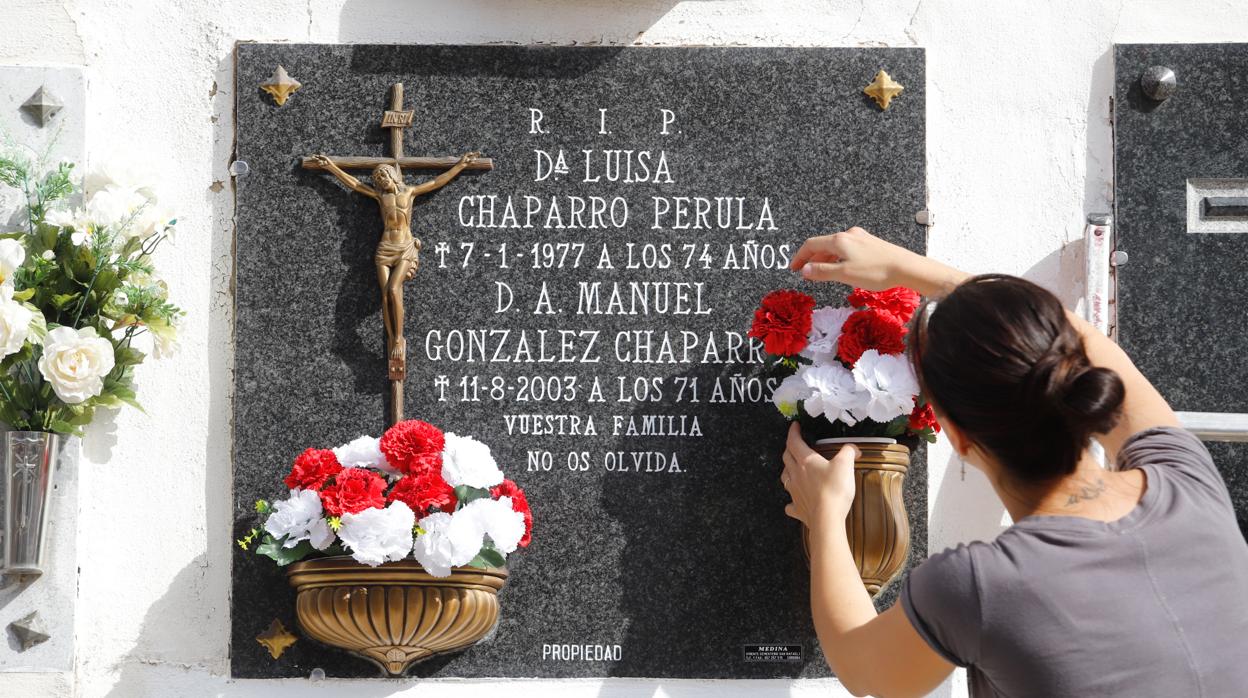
398,252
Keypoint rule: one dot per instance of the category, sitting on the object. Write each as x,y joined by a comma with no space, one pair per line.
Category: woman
1123,582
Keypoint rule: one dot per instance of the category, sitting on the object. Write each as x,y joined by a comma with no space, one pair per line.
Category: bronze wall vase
878,526
396,614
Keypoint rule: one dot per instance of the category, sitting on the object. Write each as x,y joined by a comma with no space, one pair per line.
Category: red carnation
414,447
783,322
424,491
353,491
870,329
923,417
898,300
519,503
312,468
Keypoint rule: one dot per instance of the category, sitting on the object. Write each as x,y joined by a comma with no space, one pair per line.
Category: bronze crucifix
398,253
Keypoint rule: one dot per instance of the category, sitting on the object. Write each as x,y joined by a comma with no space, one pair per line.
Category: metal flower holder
31,459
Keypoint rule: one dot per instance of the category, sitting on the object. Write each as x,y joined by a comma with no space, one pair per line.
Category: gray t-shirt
1153,604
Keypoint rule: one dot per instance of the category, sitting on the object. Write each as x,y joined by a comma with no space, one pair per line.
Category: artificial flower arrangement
842,371
414,491
77,288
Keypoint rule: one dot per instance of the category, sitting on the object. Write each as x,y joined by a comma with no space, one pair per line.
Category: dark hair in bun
1000,358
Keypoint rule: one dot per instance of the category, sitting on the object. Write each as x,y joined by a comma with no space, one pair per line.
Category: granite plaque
1180,165
582,308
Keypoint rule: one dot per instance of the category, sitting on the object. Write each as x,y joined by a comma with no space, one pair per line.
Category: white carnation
12,254
789,393
298,519
889,382
448,541
466,461
496,518
467,535
433,547
834,394
364,452
825,334
75,363
378,535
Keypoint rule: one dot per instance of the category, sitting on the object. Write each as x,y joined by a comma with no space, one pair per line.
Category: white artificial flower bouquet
77,287
416,491
842,372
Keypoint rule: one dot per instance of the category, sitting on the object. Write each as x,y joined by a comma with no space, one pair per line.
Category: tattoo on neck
1086,492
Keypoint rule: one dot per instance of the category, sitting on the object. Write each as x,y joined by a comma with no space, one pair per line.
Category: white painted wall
1019,150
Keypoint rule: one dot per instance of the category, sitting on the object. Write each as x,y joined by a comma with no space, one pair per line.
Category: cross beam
411,163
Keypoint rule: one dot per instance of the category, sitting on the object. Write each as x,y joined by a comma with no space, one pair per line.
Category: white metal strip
1096,272
1216,426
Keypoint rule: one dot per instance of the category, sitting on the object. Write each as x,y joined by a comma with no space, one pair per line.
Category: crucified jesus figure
398,253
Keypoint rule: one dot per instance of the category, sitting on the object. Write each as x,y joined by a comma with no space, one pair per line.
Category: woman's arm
880,655
857,258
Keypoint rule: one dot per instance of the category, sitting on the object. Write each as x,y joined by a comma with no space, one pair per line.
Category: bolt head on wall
29,631
1158,83
42,106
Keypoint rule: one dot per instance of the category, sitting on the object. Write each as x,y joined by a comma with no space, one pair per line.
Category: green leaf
62,427
897,426
107,400
493,557
283,556
106,282
38,326
25,353
127,395
131,246
48,235
466,494
24,396
488,557
61,300
128,356
24,294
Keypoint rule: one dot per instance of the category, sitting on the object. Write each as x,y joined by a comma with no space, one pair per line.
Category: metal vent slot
1224,207
1217,205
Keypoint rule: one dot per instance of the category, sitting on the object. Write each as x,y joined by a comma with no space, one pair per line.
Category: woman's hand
857,258
822,489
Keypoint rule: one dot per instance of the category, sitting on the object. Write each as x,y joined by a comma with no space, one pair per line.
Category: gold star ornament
277,639
883,89
280,86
